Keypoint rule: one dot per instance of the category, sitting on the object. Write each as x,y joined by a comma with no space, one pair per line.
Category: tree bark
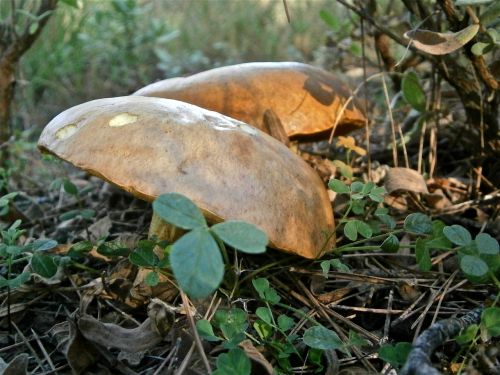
12,48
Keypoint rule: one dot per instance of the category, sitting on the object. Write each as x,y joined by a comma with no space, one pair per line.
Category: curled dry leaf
436,43
253,353
18,366
79,353
110,335
405,180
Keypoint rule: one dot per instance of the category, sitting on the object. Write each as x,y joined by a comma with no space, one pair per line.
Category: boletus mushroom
306,99
232,171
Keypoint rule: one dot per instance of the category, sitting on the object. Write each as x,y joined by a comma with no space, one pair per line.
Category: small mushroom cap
150,146
306,99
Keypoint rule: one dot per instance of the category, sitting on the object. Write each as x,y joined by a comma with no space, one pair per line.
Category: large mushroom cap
150,146
306,99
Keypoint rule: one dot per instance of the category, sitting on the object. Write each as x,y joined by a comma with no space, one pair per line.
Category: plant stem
375,238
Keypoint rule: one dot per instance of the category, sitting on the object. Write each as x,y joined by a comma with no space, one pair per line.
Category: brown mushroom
306,99
150,146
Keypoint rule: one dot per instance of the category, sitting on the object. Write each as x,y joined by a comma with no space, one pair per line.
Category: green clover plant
195,258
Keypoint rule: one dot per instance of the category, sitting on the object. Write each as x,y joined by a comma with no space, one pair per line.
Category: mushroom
232,171
306,99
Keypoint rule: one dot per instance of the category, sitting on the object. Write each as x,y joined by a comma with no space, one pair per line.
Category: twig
197,340
287,12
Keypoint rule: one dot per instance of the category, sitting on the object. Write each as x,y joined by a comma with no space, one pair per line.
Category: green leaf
143,258
152,278
350,230
413,92
490,318
338,186
234,317
395,354
285,323
458,235
364,229
377,194
70,187
43,265
481,48
357,187
345,170
266,293
330,20
356,340
197,263
473,266
490,14
418,223
422,255
264,314
206,331
358,206
467,335
322,338
42,245
387,220
264,329
73,3
179,210
234,362
17,281
335,263
486,244
390,244
111,249
242,236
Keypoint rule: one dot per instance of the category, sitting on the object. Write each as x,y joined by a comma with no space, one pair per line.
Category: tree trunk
12,48
7,82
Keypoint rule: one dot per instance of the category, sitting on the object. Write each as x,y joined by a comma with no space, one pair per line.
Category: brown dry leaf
18,366
408,291
141,292
109,335
441,43
335,295
79,353
404,180
437,200
253,353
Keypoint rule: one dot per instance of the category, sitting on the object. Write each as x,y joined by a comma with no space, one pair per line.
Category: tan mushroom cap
150,146
306,99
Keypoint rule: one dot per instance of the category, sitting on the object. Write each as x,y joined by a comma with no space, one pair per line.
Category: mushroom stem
163,230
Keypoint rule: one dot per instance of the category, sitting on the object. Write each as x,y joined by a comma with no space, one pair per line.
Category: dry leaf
350,143
441,43
110,335
253,353
406,180
79,353
18,366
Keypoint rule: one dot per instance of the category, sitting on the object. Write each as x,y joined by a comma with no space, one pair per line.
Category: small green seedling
12,254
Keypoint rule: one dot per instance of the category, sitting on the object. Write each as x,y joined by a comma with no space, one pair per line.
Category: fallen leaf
79,353
253,353
404,180
110,335
436,43
18,366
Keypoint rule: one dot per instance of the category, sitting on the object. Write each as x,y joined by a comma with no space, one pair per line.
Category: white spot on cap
122,119
66,131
